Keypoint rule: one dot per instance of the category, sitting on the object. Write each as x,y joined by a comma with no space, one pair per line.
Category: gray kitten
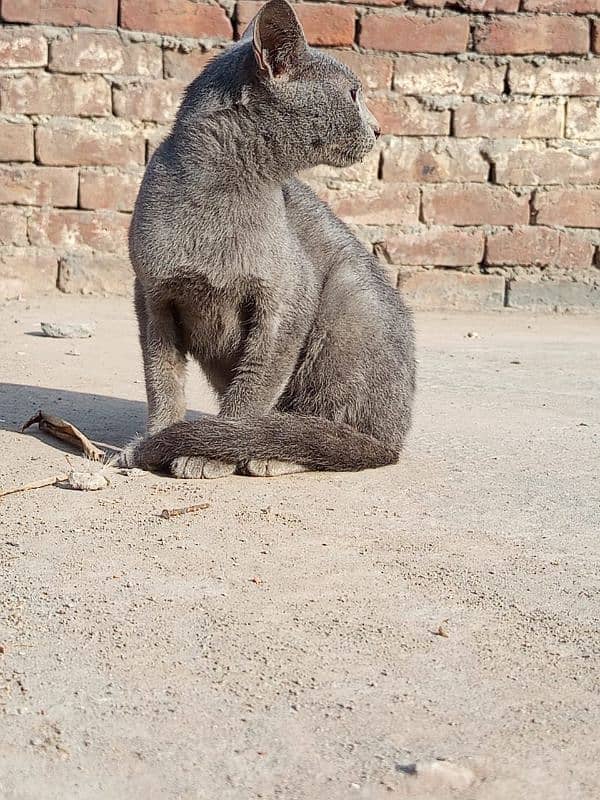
241,266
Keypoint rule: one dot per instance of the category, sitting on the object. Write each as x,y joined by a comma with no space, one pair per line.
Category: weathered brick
68,142
375,72
431,75
553,295
387,204
562,6
575,208
38,186
25,271
112,189
40,93
105,231
176,17
21,48
538,164
153,101
326,25
13,226
596,37
536,245
437,246
474,205
408,117
489,6
434,160
555,78
583,119
105,52
96,14
94,273
536,118
16,141
444,289
539,34
414,33
185,66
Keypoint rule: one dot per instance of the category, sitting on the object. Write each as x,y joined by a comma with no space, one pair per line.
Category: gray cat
240,265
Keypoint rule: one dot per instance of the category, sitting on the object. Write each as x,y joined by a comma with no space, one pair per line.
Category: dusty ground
282,644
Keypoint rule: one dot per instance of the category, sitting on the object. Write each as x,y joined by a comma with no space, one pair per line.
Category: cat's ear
277,38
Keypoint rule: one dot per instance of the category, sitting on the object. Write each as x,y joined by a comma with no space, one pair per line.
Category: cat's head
320,99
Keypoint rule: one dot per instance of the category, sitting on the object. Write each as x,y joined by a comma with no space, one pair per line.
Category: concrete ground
285,642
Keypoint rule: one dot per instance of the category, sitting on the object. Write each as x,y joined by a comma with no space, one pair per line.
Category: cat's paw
271,467
189,467
126,458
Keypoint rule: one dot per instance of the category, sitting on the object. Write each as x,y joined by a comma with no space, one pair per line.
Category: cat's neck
235,150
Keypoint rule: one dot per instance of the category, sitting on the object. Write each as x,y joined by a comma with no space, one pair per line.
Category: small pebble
87,481
472,335
68,330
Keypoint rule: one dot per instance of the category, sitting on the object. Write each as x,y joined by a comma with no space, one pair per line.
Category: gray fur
241,266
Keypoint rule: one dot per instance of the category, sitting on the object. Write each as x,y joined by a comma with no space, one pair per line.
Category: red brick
534,245
105,231
530,166
536,118
177,18
94,273
13,226
326,24
96,14
109,189
563,6
184,66
437,246
25,271
16,141
444,289
388,204
40,93
154,101
474,205
99,143
576,208
20,48
583,119
375,72
441,75
434,161
92,51
539,34
555,78
414,33
38,186
407,116
553,295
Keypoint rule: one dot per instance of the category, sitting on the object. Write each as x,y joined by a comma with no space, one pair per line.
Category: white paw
126,458
270,468
196,467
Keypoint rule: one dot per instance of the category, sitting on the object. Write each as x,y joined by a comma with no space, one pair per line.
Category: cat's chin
348,157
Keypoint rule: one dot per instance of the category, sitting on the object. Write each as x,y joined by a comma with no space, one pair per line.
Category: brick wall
483,192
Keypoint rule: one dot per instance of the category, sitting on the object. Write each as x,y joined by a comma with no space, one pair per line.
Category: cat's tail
316,443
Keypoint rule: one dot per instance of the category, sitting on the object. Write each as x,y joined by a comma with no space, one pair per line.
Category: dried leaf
66,432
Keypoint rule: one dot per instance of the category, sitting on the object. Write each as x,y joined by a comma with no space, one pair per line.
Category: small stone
68,330
436,774
472,335
87,481
72,353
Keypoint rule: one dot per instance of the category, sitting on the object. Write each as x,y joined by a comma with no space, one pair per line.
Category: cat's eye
354,94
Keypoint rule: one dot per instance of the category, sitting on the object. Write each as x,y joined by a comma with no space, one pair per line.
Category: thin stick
37,485
167,513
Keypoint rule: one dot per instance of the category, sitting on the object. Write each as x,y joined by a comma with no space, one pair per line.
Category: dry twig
66,432
167,513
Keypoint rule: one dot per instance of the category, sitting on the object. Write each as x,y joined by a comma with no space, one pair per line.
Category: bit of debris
441,631
68,330
132,472
37,485
258,581
515,362
66,432
437,773
167,513
87,481
471,335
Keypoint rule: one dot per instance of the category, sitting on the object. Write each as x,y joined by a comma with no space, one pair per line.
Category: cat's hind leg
271,468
